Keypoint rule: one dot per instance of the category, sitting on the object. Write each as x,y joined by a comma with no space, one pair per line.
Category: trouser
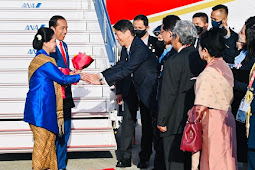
61,143
251,159
251,142
159,160
128,129
175,159
44,150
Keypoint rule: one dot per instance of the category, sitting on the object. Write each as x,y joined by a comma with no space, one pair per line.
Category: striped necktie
63,52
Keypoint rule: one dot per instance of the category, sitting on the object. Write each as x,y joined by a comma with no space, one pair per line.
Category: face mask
140,33
216,24
199,29
160,44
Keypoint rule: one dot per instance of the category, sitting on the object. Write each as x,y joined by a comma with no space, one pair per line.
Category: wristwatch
101,81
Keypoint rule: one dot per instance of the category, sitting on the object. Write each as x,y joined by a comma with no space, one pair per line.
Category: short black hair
169,22
44,34
143,18
214,41
202,15
221,7
124,25
53,21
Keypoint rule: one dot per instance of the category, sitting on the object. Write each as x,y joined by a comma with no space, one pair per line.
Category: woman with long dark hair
241,70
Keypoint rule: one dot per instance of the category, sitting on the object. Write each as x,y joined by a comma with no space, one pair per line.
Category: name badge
244,107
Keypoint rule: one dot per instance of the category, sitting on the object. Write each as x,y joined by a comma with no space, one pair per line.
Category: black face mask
199,29
161,44
140,33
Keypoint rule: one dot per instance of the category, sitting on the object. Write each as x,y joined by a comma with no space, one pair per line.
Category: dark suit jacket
154,44
161,70
68,101
126,86
177,93
123,86
142,63
231,51
241,81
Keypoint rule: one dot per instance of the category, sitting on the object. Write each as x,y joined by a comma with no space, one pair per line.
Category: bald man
219,18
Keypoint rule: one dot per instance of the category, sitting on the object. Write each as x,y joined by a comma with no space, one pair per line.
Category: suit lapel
60,58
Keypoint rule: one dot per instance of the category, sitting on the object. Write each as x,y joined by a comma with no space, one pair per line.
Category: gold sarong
44,151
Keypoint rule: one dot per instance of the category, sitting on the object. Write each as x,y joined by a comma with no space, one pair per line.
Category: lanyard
252,80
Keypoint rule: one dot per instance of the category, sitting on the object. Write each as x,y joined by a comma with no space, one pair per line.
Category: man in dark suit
139,62
165,33
59,25
177,94
125,90
141,26
219,18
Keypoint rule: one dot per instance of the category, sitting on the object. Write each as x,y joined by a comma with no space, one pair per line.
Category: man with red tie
59,25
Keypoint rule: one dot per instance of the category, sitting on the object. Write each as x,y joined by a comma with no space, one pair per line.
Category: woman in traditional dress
214,94
44,103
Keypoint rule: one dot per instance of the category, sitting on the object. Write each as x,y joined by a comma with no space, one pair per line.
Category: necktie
62,52
128,53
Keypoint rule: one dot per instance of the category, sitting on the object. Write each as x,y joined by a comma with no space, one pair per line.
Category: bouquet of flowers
81,61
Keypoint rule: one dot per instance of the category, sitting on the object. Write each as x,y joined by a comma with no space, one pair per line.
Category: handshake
90,78
82,61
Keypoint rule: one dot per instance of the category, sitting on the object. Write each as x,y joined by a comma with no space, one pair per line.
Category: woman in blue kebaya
44,103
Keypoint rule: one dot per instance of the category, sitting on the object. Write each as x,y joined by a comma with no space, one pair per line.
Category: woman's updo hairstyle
214,41
44,34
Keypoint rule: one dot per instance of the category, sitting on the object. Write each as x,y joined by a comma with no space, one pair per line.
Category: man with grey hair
177,94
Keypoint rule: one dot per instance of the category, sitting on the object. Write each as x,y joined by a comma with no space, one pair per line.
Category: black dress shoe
124,163
143,164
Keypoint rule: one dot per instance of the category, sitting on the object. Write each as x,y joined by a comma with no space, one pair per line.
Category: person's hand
77,71
228,30
93,79
239,45
83,76
119,100
162,128
74,72
200,111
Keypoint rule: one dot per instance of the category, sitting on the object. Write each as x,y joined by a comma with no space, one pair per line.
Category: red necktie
63,52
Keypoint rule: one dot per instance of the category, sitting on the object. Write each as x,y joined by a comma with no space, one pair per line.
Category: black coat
123,86
155,46
177,93
142,64
160,70
231,51
241,81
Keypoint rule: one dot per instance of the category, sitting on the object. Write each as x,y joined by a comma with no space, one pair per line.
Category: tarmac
80,160
105,160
